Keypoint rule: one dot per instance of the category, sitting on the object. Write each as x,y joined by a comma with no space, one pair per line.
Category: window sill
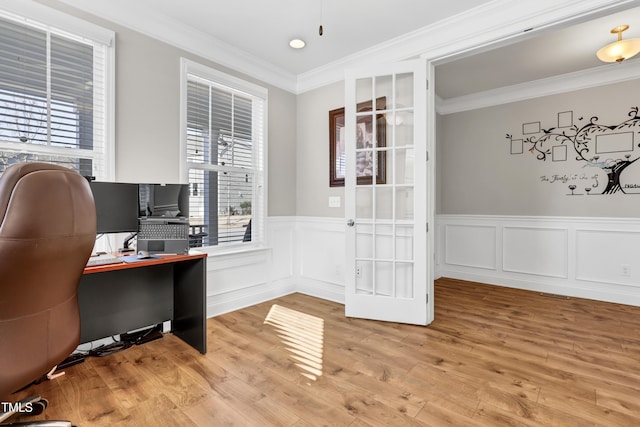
214,251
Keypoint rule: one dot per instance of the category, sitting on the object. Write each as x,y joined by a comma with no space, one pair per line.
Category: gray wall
147,114
479,175
312,157
439,153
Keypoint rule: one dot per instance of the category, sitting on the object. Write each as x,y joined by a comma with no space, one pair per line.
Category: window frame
234,84
43,18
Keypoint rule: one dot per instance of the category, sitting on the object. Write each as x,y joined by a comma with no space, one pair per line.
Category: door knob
351,223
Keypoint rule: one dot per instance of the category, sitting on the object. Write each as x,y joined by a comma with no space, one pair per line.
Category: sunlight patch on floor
302,335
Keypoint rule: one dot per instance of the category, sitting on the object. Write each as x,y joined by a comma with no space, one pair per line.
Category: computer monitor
164,200
116,206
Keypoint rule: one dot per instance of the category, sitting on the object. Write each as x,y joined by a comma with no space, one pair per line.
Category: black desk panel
118,298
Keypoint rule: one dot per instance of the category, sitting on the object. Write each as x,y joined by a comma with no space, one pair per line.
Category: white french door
388,181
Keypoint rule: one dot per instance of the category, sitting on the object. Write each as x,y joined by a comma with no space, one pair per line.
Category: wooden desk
116,298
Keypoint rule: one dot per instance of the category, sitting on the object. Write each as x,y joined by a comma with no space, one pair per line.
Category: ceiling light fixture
619,50
297,43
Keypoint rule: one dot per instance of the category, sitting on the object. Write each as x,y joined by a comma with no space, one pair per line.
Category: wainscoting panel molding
320,248
608,257
241,279
303,254
470,246
596,258
535,250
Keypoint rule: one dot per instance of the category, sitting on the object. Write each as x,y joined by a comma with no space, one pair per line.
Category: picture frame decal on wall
365,145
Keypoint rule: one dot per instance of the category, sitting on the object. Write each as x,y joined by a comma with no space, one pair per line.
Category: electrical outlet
625,270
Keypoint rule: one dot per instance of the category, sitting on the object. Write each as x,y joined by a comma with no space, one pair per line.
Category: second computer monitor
115,206
164,200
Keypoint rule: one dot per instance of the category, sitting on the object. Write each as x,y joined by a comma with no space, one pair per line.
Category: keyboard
156,231
102,260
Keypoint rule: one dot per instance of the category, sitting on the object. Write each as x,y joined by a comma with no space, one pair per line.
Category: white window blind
225,160
52,97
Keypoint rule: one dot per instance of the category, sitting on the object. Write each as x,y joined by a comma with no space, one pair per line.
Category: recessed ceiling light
297,43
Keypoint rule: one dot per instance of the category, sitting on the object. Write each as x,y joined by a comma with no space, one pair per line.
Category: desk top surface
160,259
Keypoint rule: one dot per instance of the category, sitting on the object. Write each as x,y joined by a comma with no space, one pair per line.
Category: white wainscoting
320,257
596,258
303,254
582,257
241,279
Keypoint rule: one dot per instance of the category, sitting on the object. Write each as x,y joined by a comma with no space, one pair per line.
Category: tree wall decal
583,140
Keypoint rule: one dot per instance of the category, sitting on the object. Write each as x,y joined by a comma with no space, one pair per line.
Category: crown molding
168,30
594,77
37,14
507,20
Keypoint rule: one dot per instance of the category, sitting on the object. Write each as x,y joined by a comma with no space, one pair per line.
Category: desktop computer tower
164,235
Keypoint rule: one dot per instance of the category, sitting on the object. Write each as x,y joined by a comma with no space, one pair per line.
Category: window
52,97
224,145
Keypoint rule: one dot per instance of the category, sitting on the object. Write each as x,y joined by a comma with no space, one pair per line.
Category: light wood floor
494,356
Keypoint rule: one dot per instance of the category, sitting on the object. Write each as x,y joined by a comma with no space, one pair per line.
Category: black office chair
247,233
47,232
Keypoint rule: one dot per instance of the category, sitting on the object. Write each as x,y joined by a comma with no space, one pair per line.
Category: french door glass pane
364,90
404,203
384,242
384,203
364,277
404,280
403,170
384,89
364,203
384,278
404,242
364,240
403,129
404,90
364,163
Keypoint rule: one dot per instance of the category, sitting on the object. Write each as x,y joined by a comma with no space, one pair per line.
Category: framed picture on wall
365,145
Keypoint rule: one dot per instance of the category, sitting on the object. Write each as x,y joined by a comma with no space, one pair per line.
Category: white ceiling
263,28
258,31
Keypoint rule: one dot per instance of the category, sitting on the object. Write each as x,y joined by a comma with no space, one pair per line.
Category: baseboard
246,297
318,289
618,295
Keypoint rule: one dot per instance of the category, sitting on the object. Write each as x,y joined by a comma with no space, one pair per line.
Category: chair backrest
47,232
